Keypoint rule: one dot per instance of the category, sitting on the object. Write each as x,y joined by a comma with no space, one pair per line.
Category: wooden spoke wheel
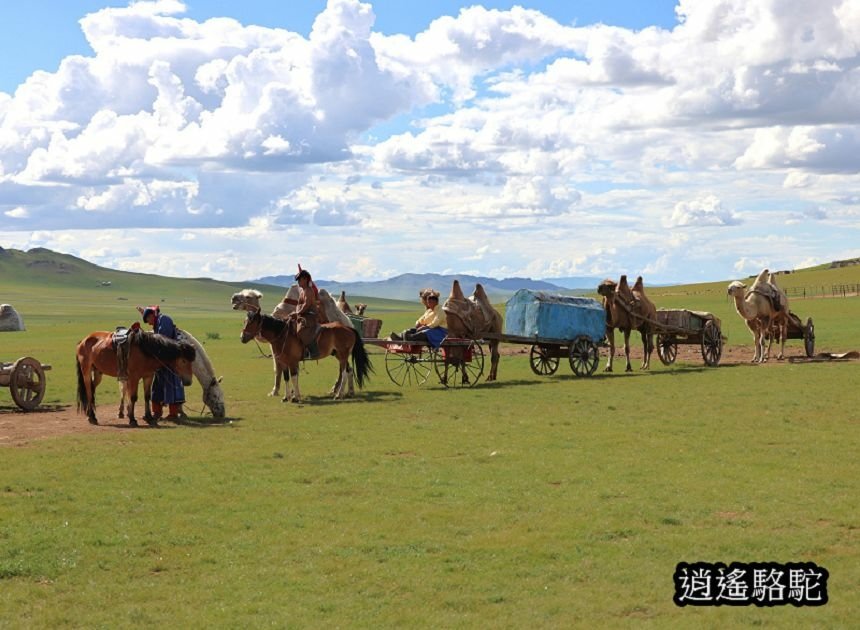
409,368
712,343
27,383
460,366
541,362
583,356
809,338
667,349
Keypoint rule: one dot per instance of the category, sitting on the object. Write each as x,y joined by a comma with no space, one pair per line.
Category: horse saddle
122,335
121,342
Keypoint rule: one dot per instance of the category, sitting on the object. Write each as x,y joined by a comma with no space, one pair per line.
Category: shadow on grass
360,397
13,408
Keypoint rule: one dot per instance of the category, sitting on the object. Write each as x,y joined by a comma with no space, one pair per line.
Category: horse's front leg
294,377
277,388
132,399
629,367
147,398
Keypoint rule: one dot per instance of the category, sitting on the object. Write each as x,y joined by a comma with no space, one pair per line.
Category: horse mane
163,348
273,323
202,367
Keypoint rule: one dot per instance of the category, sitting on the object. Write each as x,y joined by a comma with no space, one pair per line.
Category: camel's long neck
744,308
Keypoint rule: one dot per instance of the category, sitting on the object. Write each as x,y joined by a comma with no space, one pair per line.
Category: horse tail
82,390
361,364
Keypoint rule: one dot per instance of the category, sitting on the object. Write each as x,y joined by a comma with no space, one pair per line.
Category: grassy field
550,502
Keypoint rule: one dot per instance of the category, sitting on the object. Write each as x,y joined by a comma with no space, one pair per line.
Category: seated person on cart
431,327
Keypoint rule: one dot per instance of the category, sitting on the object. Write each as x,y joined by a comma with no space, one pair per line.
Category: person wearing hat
432,326
167,386
307,313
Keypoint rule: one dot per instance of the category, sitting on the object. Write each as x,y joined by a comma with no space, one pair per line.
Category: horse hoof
132,422
608,369
93,421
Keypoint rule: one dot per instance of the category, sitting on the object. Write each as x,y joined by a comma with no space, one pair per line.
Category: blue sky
549,139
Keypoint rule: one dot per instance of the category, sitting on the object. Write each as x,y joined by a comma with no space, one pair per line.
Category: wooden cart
456,363
546,354
25,379
682,327
798,330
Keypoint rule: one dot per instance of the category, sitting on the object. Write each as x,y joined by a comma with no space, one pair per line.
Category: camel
762,306
628,309
469,319
342,304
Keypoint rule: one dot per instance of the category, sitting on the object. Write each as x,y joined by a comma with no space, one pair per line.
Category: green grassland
548,502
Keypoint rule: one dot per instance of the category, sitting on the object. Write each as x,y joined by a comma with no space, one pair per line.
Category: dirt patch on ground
18,428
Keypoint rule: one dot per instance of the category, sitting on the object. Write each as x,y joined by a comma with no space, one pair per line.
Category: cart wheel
27,383
541,362
460,366
583,356
712,343
406,368
667,349
809,338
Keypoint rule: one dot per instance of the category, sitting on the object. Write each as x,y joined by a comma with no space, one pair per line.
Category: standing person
307,314
166,386
432,326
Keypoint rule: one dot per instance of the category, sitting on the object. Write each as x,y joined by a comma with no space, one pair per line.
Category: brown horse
628,309
96,356
334,339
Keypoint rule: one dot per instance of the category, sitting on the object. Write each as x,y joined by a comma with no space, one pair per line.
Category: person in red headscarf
167,386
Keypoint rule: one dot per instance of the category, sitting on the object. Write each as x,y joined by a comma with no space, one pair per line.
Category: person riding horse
308,314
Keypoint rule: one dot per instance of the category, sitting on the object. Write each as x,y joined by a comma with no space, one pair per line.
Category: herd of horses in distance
763,306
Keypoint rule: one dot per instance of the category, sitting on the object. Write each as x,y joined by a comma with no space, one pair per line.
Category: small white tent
9,319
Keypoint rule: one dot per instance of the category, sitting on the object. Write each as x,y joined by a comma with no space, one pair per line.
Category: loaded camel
628,309
471,318
762,307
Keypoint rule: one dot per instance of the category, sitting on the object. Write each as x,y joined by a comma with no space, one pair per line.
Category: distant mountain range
406,286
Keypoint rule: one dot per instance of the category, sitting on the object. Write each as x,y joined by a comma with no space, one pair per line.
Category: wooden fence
833,290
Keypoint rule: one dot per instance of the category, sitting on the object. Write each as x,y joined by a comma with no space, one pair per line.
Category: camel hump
762,277
456,291
640,285
343,295
622,283
480,294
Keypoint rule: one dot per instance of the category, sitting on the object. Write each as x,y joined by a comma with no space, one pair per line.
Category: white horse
204,372
249,300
